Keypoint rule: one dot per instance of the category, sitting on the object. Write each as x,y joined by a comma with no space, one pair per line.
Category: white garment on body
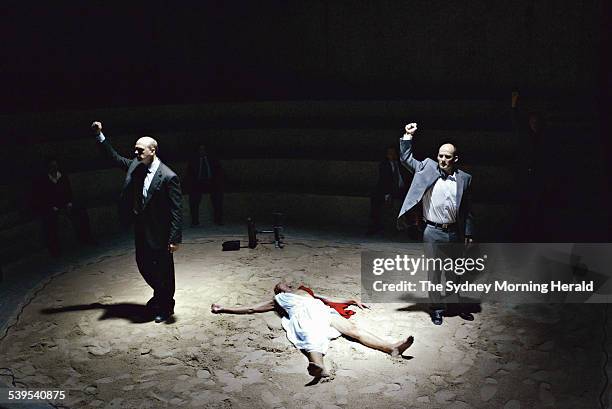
308,322
440,201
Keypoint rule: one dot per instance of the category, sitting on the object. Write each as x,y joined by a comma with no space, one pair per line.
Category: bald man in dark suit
151,199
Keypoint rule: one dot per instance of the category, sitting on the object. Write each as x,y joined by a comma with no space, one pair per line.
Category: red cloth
338,306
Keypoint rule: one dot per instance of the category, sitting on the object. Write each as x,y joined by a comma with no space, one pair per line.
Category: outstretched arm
253,309
350,301
406,156
107,148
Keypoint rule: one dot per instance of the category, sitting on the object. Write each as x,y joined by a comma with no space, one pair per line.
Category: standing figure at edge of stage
311,320
445,193
151,199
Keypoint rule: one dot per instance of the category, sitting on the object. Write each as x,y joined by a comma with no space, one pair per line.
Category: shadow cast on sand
135,313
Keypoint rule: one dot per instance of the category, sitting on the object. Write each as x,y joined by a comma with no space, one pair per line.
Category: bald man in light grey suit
445,194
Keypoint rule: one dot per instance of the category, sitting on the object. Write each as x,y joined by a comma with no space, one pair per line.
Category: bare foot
317,371
401,346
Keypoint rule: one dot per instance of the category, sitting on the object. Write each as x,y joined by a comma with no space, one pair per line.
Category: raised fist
96,127
411,128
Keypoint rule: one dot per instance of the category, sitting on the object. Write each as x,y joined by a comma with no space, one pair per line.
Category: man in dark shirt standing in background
204,175
53,194
393,182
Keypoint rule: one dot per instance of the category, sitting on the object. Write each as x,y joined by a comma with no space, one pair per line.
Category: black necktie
139,177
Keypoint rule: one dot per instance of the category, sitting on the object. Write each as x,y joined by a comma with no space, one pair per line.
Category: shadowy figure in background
204,175
393,182
311,320
535,187
53,195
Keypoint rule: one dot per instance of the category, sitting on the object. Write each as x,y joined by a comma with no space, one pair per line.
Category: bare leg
369,339
316,366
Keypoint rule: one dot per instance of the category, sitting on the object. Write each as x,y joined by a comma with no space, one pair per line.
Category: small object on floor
436,317
468,316
231,245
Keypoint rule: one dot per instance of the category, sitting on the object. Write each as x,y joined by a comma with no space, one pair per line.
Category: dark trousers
50,224
441,244
377,202
216,199
157,268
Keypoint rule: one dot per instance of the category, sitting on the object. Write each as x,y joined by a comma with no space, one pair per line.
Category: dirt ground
86,333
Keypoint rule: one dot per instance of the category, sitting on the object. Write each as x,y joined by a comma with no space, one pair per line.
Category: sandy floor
85,333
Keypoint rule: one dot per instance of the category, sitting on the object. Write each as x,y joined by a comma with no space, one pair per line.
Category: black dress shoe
159,318
436,317
468,316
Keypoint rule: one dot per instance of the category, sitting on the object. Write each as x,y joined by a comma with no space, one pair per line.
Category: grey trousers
442,244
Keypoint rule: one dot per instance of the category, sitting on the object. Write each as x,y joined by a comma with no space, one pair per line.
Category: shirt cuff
406,137
100,137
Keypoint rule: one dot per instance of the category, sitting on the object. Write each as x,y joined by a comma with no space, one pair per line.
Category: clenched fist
411,128
96,127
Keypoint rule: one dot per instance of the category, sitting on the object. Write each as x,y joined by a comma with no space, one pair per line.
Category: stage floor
85,332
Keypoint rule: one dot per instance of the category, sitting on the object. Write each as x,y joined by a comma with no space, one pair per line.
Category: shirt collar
444,175
154,165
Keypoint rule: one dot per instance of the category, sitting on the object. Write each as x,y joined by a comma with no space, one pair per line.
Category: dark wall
112,54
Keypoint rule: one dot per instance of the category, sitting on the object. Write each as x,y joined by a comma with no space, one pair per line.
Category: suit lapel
128,176
157,179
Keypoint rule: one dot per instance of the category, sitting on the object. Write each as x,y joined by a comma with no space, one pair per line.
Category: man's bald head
145,149
447,157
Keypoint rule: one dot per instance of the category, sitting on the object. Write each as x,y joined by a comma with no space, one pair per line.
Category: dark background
101,54
331,82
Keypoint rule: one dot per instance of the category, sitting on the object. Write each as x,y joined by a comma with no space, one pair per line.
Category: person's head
283,287
535,122
145,149
52,166
447,158
391,153
202,150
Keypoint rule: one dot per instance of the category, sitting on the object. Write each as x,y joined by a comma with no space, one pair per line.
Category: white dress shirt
149,178
440,201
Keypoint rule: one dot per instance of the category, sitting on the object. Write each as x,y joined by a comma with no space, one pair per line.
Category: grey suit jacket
426,173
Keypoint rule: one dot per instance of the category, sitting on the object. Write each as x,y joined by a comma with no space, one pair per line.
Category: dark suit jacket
49,194
386,184
191,174
160,221
426,173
